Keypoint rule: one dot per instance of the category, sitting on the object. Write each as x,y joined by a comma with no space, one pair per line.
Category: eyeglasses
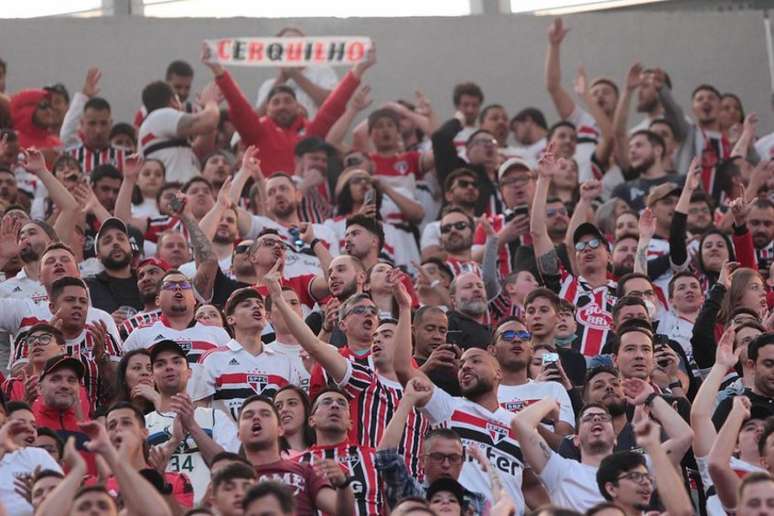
174,285
459,226
359,180
588,244
516,181
596,416
352,161
637,477
466,183
363,310
242,248
484,141
440,458
41,338
699,211
270,242
553,212
511,335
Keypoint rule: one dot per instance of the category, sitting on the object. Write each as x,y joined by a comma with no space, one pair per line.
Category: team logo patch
352,461
258,382
496,432
401,166
593,316
186,345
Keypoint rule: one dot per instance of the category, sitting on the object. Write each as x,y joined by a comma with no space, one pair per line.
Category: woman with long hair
294,409
134,380
149,183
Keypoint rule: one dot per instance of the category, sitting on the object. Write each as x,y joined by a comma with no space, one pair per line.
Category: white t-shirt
588,135
18,463
231,374
714,507
399,246
462,138
298,260
678,329
765,147
431,235
187,458
322,76
195,340
293,352
515,398
160,126
571,484
532,152
189,268
489,431
147,208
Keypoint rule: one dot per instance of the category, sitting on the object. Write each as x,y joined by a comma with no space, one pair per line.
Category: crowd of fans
270,308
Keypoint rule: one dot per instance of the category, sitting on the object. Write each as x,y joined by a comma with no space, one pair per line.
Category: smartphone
550,358
454,337
521,209
176,204
370,197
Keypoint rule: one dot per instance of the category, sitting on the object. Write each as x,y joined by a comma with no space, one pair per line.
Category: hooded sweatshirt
23,106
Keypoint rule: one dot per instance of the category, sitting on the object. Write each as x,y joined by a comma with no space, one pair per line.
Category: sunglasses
466,183
484,141
596,416
459,226
511,335
589,244
174,285
242,248
352,161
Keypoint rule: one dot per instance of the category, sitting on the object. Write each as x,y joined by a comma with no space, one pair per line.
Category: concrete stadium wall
504,54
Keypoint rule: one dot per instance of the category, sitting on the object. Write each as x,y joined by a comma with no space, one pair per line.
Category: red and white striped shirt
374,402
195,340
138,320
159,225
459,266
594,312
360,463
89,159
505,252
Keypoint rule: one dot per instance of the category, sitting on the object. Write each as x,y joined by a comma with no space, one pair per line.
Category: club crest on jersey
496,432
350,460
401,166
185,345
593,316
258,382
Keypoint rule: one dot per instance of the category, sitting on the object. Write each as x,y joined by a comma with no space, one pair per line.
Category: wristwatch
314,242
346,482
649,400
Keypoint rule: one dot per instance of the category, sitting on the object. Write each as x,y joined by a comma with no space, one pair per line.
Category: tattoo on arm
202,247
549,262
641,260
544,448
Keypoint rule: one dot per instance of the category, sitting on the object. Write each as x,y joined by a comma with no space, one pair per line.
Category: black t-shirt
467,333
574,365
761,407
223,287
635,192
108,293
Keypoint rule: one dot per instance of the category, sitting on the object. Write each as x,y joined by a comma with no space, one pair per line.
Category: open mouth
286,419
368,324
29,440
256,428
257,315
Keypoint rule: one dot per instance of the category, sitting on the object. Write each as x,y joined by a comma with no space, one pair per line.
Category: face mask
565,342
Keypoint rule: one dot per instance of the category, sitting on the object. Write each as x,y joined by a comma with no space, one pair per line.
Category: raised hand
693,179
99,331
741,405
307,232
9,235
224,199
331,315
547,164
399,291
581,84
251,162
423,389
486,225
273,278
648,433
209,60
647,224
361,99
8,433
72,458
636,390
370,59
424,107
740,209
91,83
182,405
750,125
210,94
98,442
634,77
557,32
724,354
590,190
33,161
132,166
726,270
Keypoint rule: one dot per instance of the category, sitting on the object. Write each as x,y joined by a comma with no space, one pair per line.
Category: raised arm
668,482
553,72
203,253
545,254
397,425
327,355
647,228
444,151
410,208
338,131
402,354
318,94
743,144
673,113
59,501
123,209
621,116
182,405
589,191
604,146
725,479
68,133
704,403
524,425
678,249
489,260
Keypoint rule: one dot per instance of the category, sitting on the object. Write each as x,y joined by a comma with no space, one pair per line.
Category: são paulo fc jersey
230,374
195,340
488,431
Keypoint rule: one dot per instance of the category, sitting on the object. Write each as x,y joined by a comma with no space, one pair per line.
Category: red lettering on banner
293,52
224,49
319,52
356,52
255,51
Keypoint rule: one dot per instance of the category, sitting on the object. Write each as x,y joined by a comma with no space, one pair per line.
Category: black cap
312,144
166,345
587,228
449,485
60,361
111,223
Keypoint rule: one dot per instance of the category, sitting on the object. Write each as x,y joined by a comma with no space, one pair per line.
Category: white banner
307,51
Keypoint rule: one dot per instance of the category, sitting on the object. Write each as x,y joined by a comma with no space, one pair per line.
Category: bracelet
675,385
314,242
346,483
649,400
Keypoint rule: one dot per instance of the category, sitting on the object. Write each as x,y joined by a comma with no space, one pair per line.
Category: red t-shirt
302,285
401,164
300,478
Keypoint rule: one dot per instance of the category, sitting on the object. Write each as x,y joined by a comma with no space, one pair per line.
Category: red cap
158,262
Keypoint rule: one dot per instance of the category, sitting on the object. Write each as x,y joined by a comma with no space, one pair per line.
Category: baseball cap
166,345
112,222
449,485
60,361
662,191
513,162
587,228
312,144
158,262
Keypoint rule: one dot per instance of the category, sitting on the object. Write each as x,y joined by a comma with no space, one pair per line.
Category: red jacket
23,106
65,424
277,143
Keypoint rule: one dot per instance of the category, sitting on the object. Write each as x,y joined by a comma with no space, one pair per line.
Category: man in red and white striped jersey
86,127
588,285
177,302
331,421
243,367
149,274
371,384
